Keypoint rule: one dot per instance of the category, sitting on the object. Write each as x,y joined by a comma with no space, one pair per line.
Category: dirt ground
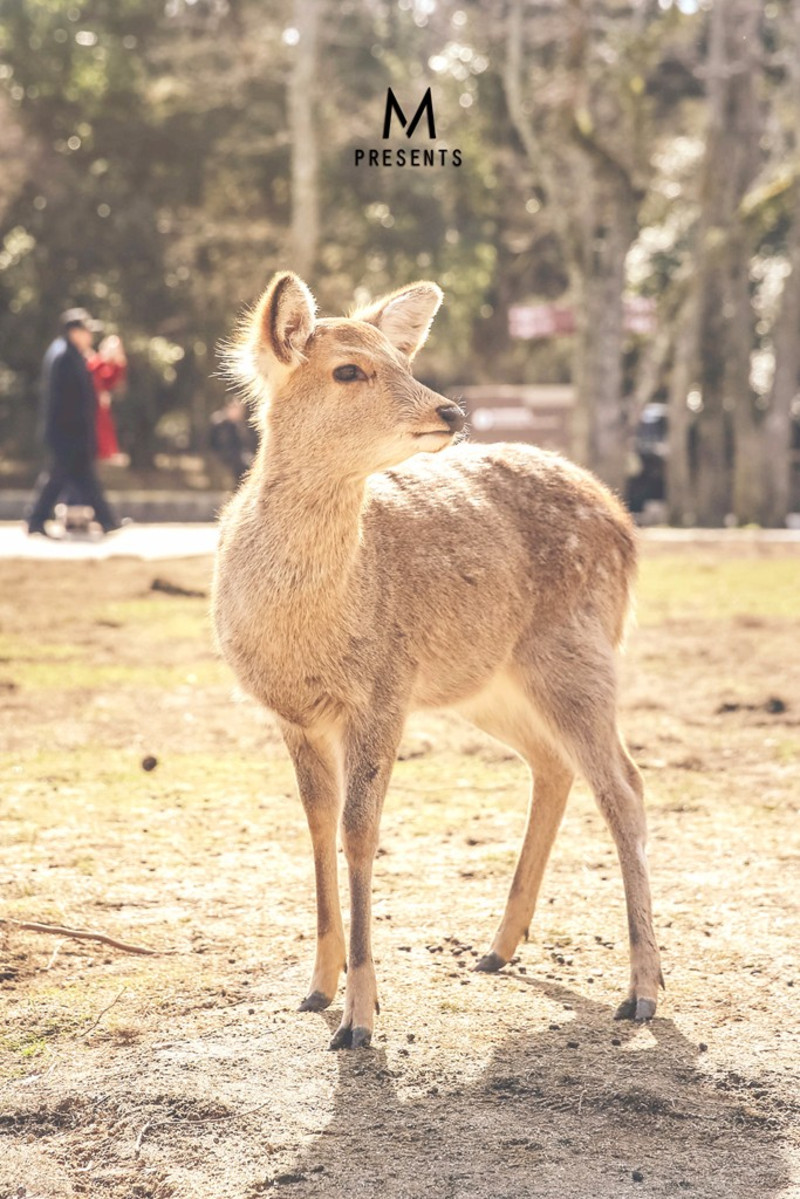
190,1074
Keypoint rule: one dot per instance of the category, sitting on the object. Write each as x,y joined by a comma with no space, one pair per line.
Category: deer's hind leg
573,684
508,714
319,769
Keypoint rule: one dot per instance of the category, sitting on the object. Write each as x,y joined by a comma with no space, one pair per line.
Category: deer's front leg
318,763
369,761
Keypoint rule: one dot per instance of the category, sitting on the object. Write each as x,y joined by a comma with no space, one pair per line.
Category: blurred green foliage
151,184
146,147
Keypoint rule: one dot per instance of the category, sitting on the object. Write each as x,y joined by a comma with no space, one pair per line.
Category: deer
374,563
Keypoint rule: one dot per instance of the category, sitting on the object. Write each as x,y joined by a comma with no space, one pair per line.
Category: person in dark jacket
69,403
232,439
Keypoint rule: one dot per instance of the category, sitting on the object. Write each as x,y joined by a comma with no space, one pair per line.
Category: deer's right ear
284,321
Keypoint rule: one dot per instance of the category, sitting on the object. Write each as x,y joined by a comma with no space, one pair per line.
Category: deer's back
480,546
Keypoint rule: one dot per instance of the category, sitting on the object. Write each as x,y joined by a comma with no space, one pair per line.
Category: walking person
69,406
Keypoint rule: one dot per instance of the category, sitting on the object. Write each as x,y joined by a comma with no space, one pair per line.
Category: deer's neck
311,527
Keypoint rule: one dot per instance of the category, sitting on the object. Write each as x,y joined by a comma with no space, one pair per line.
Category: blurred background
620,246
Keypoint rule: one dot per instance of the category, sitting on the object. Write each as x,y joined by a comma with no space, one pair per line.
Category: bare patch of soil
190,1075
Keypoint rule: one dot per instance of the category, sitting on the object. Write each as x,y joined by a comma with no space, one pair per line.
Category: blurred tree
142,195
725,313
383,227
303,134
162,158
779,198
779,452
734,345
575,78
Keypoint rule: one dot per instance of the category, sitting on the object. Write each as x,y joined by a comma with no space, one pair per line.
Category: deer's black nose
452,415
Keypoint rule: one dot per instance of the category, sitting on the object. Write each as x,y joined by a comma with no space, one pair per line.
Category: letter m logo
425,105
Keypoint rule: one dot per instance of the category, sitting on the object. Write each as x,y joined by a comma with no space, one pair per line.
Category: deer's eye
349,374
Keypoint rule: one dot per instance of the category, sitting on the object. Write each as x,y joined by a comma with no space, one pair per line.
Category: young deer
349,590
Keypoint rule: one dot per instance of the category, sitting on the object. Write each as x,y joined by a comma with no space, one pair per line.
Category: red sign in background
531,321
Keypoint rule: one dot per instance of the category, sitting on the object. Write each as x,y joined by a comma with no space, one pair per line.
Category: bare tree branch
80,934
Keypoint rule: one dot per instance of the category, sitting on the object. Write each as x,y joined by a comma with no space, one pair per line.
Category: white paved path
153,541
148,542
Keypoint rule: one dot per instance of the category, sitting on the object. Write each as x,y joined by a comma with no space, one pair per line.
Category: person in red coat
108,367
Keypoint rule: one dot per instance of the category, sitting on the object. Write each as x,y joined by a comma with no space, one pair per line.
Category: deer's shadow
562,1111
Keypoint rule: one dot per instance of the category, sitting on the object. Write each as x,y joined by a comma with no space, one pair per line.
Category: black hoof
490,963
640,1010
342,1039
351,1038
315,1002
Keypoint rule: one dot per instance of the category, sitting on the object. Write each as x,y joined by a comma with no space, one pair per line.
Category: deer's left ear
272,339
405,316
284,319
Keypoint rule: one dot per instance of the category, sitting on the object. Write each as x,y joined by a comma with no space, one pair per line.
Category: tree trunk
601,424
726,315
304,239
747,121
748,473
594,200
713,475
778,451
681,499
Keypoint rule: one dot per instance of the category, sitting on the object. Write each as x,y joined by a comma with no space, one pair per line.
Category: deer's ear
284,320
405,316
